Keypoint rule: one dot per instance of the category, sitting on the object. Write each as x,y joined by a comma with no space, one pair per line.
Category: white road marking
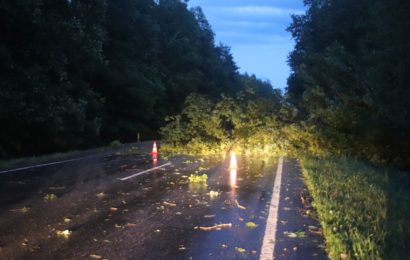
46,164
146,171
268,246
55,163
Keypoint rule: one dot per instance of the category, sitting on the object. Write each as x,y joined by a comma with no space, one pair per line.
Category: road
157,215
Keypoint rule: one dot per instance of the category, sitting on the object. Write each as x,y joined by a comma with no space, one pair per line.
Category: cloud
247,24
263,10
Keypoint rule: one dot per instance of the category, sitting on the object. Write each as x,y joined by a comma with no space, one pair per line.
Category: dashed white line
268,246
146,171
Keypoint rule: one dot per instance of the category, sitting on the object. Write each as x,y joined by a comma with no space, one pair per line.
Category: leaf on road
251,225
50,197
213,194
299,234
240,250
101,195
65,233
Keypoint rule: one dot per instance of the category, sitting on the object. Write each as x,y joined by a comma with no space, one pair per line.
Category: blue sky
255,31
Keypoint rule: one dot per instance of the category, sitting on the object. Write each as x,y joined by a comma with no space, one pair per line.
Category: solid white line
46,164
149,170
268,246
53,163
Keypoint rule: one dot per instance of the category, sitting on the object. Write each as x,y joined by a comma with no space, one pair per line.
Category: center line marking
269,239
149,170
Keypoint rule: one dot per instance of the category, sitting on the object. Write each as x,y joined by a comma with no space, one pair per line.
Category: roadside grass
364,209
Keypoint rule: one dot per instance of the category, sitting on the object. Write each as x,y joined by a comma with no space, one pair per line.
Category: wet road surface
158,215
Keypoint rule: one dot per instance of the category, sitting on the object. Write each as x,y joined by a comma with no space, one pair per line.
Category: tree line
80,73
350,78
347,95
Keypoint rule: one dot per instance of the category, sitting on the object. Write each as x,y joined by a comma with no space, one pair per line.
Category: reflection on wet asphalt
159,215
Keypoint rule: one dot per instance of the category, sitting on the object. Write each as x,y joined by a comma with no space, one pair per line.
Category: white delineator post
268,246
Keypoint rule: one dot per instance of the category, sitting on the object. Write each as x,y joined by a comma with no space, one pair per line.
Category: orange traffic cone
154,149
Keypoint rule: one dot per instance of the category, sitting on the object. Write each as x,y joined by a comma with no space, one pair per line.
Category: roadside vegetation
363,209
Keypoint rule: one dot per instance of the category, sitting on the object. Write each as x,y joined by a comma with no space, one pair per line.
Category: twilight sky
255,30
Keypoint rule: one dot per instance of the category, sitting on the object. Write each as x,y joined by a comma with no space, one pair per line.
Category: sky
256,32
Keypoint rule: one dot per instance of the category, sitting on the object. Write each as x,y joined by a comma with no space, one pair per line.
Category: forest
82,73
76,74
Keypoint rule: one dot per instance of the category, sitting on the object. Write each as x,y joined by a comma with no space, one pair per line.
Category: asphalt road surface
82,210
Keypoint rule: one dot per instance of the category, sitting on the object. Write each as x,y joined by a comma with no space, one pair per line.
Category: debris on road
65,233
198,178
101,195
22,210
169,204
213,194
299,234
216,227
240,250
239,206
50,197
251,225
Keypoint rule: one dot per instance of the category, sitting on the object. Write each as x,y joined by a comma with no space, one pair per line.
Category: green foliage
361,208
248,123
251,225
349,81
50,197
193,178
115,143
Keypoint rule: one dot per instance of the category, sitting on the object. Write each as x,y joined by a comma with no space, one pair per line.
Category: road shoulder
298,234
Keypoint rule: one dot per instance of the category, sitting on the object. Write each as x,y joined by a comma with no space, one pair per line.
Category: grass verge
364,209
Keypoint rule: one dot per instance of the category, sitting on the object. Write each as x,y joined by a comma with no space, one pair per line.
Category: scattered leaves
213,194
198,178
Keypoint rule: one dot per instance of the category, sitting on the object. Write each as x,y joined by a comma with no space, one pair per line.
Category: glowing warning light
154,149
233,167
233,164
154,159
233,174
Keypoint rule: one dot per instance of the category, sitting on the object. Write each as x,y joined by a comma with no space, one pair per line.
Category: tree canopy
79,73
349,80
